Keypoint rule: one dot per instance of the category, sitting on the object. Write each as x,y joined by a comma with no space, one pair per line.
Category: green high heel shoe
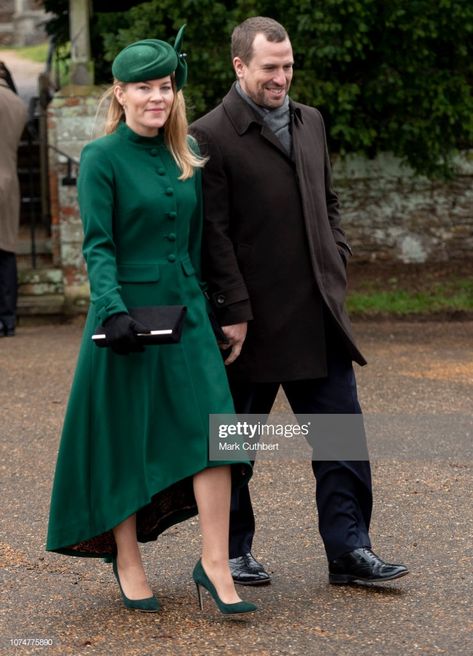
202,580
148,605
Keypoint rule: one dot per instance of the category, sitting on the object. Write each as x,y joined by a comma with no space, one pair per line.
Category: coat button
220,299
171,258
169,191
153,152
172,215
171,236
161,171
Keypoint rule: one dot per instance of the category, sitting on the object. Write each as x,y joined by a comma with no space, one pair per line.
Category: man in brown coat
12,123
275,260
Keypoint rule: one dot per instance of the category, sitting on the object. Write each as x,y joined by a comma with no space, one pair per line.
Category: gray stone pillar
82,70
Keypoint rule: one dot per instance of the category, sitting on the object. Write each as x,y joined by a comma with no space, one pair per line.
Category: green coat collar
127,133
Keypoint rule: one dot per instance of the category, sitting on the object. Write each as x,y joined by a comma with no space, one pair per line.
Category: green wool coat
136,426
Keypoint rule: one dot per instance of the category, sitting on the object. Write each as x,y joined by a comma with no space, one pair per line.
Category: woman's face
147,104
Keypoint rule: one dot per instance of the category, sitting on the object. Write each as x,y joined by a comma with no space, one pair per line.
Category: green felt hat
151,59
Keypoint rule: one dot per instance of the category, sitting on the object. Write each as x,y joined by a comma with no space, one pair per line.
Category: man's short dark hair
244,35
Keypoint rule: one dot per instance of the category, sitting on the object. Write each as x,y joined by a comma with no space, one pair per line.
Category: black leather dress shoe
363,566
248,571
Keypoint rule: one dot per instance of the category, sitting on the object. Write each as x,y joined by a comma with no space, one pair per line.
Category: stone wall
392,216
389,215
71,121
7,11
22,22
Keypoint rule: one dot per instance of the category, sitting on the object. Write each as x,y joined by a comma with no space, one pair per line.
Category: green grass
37,53
453,296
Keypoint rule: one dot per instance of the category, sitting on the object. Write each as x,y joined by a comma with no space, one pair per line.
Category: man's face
267,77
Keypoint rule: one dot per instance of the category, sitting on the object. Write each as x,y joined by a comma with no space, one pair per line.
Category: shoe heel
339,579
202,581
199,596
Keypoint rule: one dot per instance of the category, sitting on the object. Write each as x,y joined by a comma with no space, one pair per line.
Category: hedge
387,75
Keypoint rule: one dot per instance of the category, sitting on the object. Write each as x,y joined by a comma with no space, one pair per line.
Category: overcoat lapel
269,135
243,116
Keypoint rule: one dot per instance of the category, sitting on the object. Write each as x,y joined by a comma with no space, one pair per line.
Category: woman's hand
236,335
122,332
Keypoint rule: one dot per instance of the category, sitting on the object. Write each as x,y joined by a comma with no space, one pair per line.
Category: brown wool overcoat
273,241
12,121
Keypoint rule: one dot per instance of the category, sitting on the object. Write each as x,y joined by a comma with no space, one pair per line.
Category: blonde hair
175,128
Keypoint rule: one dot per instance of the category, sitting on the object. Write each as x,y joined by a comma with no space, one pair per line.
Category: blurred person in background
13,115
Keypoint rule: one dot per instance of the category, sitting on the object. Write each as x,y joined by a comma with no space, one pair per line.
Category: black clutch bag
164,323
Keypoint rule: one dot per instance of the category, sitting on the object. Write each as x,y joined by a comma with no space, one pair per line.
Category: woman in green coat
133,458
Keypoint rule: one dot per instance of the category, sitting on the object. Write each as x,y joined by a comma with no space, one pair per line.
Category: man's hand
236,334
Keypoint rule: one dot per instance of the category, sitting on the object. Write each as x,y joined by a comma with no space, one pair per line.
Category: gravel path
423,516
24,72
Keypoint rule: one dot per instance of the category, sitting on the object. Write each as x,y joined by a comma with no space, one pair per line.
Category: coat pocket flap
138,272
187,266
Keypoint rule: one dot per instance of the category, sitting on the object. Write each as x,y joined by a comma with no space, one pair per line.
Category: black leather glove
121,332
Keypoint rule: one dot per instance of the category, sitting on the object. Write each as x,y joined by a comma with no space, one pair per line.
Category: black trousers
343,491
8,289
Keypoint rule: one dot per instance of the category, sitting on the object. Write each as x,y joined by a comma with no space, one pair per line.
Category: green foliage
206,42
58,25
388,75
